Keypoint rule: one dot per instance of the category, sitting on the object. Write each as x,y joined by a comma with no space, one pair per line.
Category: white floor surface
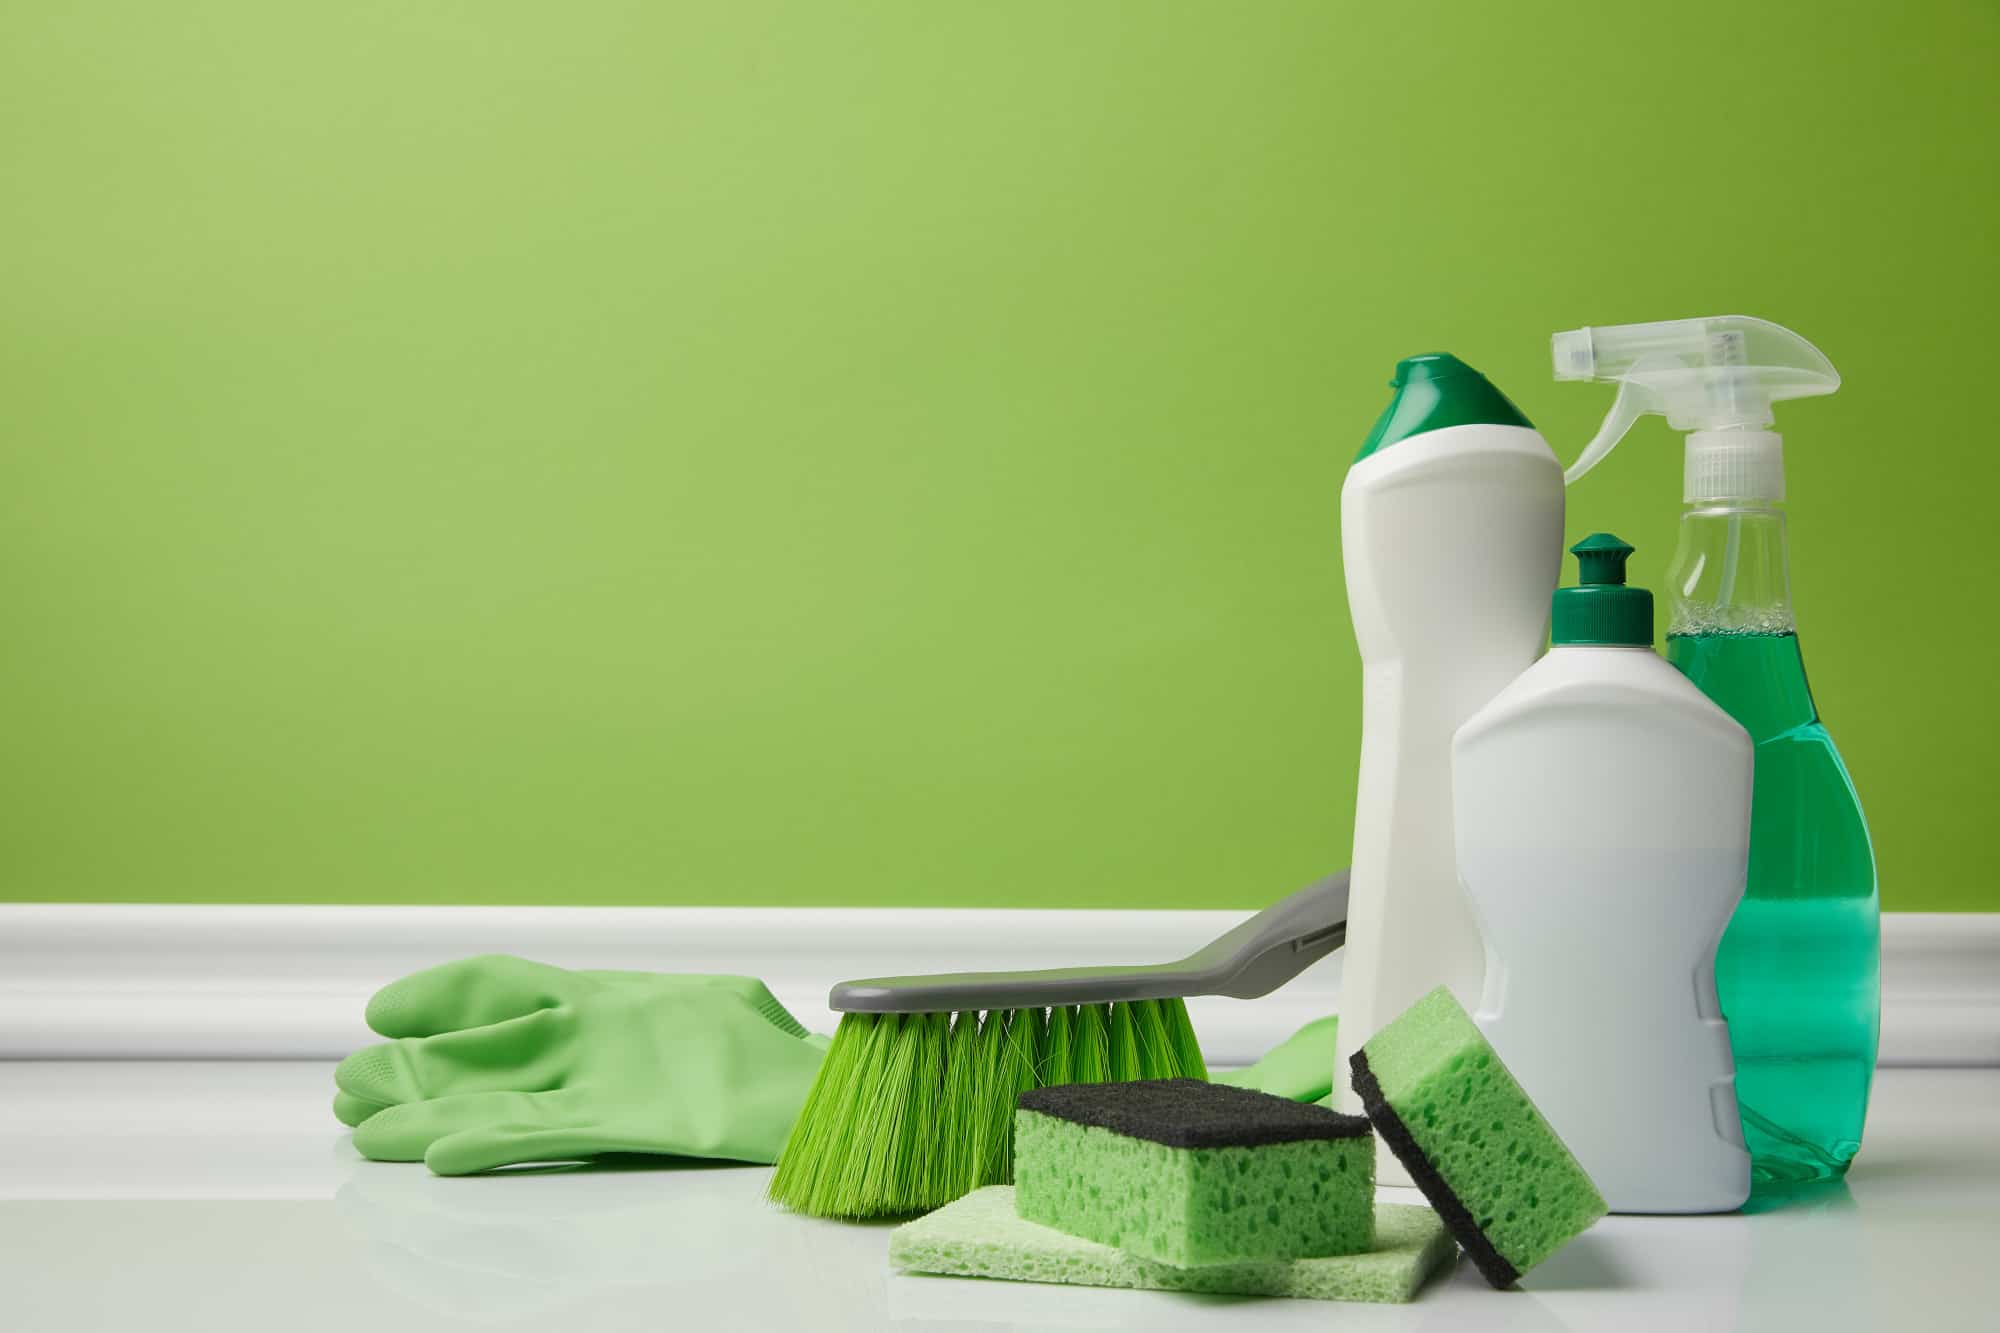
222,1196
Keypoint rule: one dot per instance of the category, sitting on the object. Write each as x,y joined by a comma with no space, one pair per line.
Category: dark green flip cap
1433,391
1601,609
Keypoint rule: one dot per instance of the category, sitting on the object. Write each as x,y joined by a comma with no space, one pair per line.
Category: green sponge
1477,1147
980,1235
1185,1172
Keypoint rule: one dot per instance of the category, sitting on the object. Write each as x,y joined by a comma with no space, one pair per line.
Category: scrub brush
914,1105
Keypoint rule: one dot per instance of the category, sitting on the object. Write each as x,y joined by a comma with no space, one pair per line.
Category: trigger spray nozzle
1714,378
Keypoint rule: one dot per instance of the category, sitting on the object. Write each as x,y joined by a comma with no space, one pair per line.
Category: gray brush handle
1254,959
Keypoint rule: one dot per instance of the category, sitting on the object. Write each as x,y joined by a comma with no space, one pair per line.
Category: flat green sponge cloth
980,1235
1482,1154
1185,1172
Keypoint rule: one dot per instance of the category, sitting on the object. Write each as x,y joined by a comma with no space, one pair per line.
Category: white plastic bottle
1603,823
1451,533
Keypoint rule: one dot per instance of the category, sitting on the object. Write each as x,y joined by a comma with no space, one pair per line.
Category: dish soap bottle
1451,533
1798,969
1602,807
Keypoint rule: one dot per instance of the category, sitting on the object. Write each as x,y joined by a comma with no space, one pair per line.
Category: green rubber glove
1300,1067
499,1061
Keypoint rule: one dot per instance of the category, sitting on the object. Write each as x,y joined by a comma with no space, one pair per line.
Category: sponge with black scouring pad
1489,1163
1188,1173
981,1236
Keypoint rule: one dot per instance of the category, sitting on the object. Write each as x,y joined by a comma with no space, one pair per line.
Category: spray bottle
1451,533
1797,971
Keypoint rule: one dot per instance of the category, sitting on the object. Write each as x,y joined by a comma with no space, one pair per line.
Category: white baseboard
172,981
1941,988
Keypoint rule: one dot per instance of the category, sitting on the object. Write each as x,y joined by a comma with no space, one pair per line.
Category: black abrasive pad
1188,1113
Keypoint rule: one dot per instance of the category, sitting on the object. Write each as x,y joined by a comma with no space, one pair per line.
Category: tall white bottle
1451,532
1603,823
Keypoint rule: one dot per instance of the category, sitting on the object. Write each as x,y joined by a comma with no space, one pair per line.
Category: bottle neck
1729,573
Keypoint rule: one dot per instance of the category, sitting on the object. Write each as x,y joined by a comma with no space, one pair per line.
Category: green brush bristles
911,1111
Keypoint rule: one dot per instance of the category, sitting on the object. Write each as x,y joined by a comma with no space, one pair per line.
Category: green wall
490,451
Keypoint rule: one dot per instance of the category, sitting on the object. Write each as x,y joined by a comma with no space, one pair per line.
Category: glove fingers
469,993
511,1143
519,1055
351,1110
403,1133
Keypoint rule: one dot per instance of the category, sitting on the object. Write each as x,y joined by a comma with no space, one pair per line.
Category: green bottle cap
1433,391
1601,609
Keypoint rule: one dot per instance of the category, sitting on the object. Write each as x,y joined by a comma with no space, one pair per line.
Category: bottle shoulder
1607,681
1479,446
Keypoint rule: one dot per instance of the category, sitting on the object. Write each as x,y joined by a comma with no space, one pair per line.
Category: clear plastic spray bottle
1797,971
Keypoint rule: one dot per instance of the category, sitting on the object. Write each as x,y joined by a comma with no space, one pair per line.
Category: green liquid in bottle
1798,970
